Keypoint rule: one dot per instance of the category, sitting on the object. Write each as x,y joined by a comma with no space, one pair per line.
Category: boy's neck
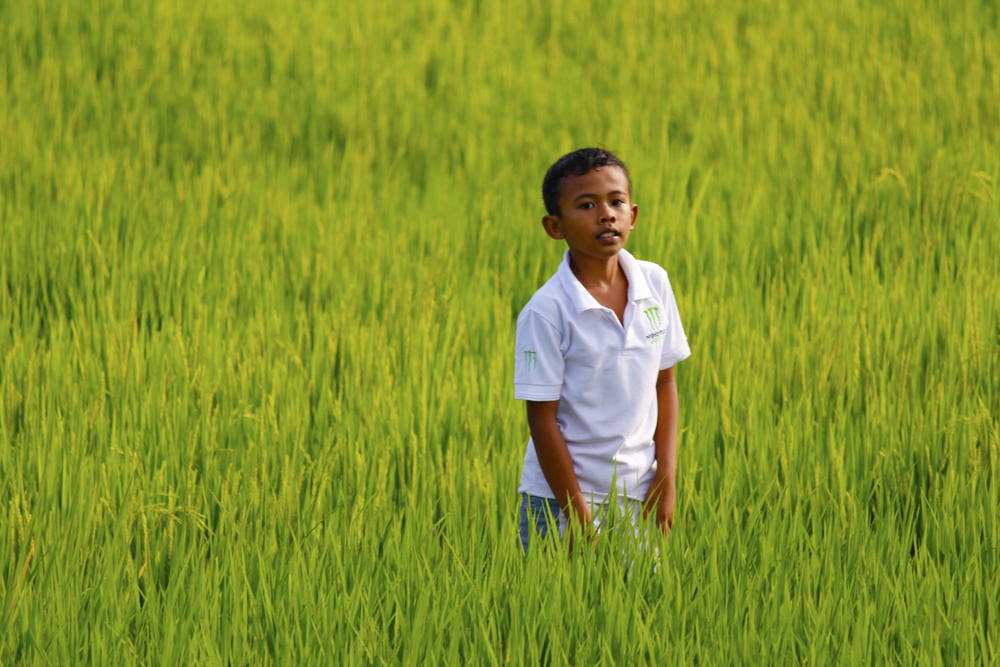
597,273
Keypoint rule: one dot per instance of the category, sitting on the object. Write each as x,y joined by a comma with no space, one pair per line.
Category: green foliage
260,264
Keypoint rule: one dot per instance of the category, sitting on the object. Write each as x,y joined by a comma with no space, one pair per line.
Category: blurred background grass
259,270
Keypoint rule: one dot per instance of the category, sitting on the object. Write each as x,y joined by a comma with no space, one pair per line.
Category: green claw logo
530,361
653,315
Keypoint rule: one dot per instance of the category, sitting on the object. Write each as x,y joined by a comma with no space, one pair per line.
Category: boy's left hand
662,496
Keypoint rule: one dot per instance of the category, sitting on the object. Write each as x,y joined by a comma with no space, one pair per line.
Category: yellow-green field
260,264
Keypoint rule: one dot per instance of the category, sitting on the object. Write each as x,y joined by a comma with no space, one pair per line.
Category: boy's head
577,163
588,194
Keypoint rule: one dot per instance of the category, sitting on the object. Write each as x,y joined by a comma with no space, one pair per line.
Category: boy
595,351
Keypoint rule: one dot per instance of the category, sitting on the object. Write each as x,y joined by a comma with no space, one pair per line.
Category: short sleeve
675,345
538,360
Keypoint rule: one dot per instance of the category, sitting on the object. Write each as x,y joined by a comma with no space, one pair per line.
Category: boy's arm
662,492
555,461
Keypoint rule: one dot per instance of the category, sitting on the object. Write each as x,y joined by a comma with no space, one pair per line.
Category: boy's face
596,213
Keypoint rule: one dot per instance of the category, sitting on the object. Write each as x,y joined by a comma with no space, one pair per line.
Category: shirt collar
582,300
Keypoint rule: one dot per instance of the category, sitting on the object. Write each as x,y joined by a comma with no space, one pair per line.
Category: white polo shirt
572,349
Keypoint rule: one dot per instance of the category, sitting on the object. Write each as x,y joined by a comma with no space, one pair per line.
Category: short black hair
577,163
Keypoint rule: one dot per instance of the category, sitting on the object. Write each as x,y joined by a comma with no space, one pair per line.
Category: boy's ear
553,226
635,214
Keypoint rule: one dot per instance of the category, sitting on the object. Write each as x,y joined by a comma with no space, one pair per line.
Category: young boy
595,351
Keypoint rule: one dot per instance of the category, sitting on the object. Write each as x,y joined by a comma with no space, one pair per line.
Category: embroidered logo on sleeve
653,315
530,360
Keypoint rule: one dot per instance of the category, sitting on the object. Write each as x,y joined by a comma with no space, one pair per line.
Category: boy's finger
665,520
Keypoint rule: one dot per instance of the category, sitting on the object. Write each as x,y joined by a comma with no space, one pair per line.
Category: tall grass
260,265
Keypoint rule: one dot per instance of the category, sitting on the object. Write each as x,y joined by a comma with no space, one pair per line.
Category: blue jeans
547,515
544,511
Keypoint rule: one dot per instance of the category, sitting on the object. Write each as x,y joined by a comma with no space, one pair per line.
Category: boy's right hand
581,521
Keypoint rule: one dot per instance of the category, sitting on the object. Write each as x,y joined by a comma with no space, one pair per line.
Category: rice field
260,265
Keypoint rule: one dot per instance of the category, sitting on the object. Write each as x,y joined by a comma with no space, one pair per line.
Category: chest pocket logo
653,315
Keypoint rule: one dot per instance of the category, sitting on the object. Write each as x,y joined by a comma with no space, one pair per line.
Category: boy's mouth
610,233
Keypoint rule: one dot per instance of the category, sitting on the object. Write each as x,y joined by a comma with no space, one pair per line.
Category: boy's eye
587,205
618,202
